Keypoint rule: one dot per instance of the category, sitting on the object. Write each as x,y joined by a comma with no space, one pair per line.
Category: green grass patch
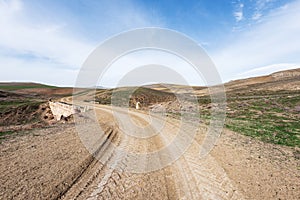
268,119
6,133
7,105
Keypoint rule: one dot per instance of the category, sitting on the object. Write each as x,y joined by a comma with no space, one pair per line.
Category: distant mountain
35,89
283,80
287,80
22,85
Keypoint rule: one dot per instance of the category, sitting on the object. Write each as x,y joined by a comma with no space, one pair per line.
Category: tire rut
185,178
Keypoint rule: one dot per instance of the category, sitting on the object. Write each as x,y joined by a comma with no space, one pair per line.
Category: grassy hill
266,107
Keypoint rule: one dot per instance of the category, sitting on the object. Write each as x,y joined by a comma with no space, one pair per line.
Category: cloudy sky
48,41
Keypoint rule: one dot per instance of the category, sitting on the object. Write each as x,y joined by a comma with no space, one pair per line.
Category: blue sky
47,41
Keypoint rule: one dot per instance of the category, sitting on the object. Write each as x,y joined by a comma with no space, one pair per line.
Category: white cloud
238,13
274,40
260,7
262,4
16,70
47,40
266,70
173,70
256,16
48,51
238,16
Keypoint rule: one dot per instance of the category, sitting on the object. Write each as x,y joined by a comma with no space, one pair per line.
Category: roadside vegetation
269,116
272,117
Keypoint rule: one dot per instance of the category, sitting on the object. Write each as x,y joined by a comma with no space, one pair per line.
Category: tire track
134,179
90,168
187,178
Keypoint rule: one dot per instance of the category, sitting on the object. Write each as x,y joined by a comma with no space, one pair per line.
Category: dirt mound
22,111
29,116
148,97
132,95
26,116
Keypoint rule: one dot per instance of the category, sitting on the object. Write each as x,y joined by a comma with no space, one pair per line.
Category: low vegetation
264,109
19,112
266,115
271,118
267,120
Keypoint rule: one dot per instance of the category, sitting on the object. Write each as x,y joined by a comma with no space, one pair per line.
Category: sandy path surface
53,163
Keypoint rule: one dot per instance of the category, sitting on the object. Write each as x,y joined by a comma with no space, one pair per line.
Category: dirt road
141,162
57,165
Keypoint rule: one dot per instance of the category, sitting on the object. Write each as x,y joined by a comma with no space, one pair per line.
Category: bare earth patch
45,164
39,164
261,170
